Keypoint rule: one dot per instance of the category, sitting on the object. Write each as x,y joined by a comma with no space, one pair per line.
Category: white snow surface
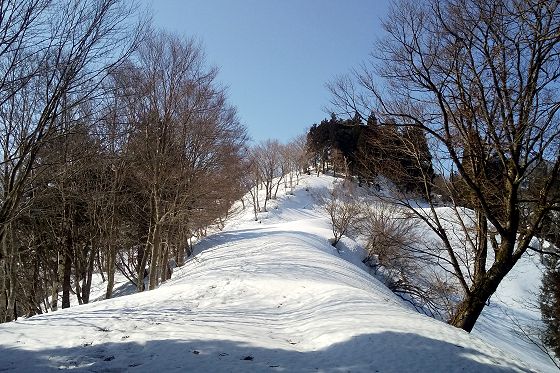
272,295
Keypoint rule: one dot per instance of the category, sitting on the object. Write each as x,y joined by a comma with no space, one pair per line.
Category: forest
118,146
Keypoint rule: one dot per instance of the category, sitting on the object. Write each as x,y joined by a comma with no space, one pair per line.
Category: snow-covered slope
513,316
260,296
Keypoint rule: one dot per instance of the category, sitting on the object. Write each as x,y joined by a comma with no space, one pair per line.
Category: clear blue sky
276,55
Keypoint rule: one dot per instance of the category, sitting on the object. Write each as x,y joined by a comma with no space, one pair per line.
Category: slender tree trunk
78,273
165,272
3,288
86,287
268,190
257,202
54,295
255,198
110,235
99,266
66,285
266,200
482,244
36,289
143,254
111,259
180,253
11,313
78,290
8,248
58,274
156,253
277,186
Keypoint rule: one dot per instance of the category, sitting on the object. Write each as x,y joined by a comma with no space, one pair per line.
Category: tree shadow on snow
383,352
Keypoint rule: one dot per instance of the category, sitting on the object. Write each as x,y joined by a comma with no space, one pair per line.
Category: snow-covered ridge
267,296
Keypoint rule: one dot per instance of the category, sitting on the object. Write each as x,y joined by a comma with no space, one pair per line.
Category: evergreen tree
550,303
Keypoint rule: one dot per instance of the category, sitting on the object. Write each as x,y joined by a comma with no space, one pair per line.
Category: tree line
268,166
118,146
367,150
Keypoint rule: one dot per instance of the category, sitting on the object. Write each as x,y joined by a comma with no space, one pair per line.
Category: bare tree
293,156
252,181
268,158
299,159
184,145
395,249
343,208
479,77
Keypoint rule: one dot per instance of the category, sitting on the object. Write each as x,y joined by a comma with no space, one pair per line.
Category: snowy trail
270,296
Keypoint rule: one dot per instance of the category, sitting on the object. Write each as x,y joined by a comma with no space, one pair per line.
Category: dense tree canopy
366,151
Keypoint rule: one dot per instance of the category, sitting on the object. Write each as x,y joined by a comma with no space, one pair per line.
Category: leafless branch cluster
344,209
404,258
271,164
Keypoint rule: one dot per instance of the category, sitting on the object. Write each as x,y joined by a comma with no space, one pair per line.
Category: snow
267,295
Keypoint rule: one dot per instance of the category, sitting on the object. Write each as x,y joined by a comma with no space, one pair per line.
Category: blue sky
276,55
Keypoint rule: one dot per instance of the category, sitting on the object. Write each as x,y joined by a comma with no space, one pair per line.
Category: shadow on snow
383,352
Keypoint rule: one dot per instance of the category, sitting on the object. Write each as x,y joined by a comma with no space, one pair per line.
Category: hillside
272,295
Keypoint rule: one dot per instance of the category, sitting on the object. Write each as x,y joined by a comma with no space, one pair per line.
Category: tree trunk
9,270
482,244
3,288
468,311
256,207
156,253
78,273
58,274
11,313
165,270
66,286
143,259
67,228
54,295
86,287
99,266
180,253
35,294
281,177
111,259
78,290
471,306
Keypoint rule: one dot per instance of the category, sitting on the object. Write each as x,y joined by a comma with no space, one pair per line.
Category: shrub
388,234
395,249
343,209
